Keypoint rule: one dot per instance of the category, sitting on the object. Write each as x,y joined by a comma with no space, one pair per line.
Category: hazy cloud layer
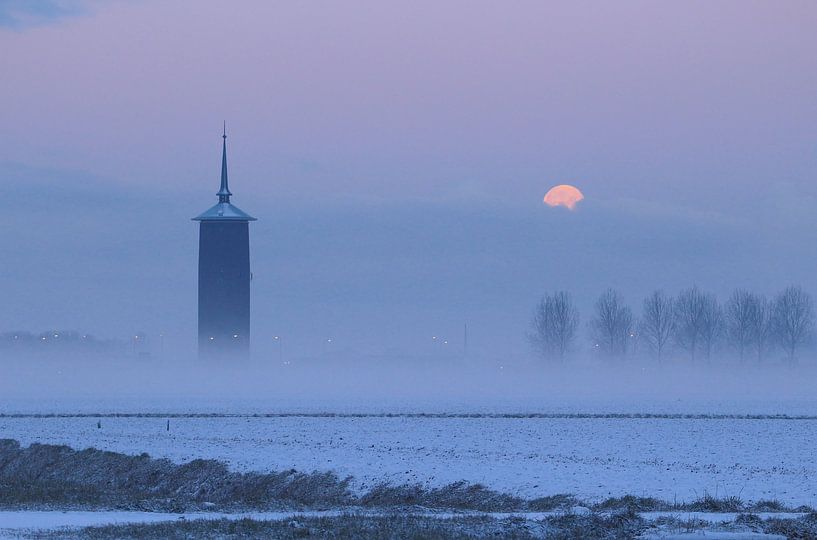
90,254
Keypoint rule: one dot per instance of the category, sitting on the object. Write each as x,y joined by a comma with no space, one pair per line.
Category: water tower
224,275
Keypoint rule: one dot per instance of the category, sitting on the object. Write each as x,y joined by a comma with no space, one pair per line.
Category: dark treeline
694,323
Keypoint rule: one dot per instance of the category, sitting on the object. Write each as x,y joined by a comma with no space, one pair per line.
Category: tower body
224,288
224,276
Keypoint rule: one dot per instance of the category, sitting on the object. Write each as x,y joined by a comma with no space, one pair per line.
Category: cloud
19,14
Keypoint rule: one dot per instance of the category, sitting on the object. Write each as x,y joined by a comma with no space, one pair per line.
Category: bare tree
761,327
793,319
554,324
612,326
699,321
741,314
712,325
689,318
658,322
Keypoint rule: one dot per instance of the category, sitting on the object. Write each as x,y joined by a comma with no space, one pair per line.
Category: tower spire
224,192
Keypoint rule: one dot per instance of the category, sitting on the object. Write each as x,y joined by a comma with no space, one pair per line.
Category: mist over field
408,384
395,288
375,278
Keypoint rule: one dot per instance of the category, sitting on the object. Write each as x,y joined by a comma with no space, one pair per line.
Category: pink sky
429,100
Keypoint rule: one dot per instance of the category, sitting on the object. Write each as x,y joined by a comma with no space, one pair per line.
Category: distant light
235,336
329,340
15,337
83,337
56,335
212,338
275,337
433,337
445,342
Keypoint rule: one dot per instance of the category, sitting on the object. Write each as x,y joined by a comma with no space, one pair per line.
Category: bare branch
612,326
554,325
699,322
792,319
658,322
741,314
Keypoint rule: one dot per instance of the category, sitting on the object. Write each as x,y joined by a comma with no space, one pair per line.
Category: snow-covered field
671,459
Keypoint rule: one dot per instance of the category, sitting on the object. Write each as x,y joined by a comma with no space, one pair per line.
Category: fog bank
428,384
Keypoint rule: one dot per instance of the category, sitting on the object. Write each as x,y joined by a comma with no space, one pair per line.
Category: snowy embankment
673,459
56,492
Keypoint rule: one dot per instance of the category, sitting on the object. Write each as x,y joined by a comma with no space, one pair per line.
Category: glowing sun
563,195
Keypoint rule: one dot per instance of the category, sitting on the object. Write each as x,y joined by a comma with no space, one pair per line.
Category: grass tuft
631,503
561,501
708,503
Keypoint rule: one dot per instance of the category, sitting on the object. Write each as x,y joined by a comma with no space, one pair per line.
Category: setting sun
563,195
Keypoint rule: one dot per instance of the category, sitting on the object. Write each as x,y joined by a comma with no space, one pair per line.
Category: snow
713,535
594,458
14,523
26,520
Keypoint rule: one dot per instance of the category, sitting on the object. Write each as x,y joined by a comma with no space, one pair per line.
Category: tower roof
224,210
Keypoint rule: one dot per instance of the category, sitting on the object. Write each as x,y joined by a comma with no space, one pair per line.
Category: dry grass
456,496
397,526
58,475
708,503
804,528
632,503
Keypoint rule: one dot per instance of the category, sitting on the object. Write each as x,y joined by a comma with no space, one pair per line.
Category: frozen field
672,459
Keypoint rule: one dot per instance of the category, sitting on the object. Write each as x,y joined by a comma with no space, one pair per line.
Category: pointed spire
223,210
224,193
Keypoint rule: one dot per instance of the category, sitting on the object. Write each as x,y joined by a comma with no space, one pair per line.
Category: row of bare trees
693,321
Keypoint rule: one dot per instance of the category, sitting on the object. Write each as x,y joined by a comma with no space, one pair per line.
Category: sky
396,156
